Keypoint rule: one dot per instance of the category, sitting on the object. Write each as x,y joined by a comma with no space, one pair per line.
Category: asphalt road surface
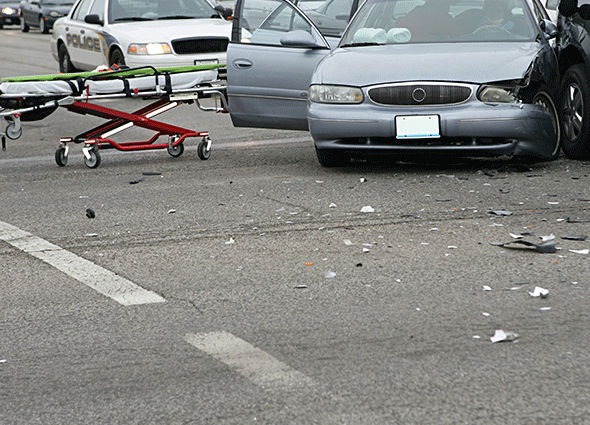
251,287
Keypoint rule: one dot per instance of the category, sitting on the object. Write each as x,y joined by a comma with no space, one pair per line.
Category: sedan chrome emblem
419,95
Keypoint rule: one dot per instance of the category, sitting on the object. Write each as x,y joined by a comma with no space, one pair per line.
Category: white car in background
551,7
135,33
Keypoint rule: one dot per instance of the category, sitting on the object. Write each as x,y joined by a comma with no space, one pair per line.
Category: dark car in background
574,62
42,13
8,13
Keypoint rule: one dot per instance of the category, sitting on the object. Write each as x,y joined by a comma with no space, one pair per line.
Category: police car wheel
23,25
117,58
65,65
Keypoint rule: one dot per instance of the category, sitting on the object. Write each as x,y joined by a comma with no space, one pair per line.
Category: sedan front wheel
543,99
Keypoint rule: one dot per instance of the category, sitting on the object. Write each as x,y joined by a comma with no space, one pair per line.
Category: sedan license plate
206,62
417,127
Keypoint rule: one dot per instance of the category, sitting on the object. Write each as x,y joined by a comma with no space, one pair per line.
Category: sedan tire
331,158
42,26
575,101
23,25
117,58
545,100
65,64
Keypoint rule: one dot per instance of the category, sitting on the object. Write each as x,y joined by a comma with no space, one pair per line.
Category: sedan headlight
335,94
149,49
8,10
491,94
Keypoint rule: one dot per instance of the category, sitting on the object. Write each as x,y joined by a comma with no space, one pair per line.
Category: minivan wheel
575,102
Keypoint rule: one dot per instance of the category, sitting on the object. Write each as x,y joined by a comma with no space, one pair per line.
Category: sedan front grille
417,94
187,46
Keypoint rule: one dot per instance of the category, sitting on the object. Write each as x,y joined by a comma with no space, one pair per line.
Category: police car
159,33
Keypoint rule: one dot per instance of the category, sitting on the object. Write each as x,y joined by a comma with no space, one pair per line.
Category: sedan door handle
242,63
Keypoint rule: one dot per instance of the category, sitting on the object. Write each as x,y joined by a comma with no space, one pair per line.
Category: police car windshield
149,10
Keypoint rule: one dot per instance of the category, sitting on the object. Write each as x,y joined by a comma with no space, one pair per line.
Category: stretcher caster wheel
93,158
12,133
204,150
177,150
61,156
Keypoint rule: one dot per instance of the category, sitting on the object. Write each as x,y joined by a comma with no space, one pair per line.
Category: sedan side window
98,9
266,21
82,10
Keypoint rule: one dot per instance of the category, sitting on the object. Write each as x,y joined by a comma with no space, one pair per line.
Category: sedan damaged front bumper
473,129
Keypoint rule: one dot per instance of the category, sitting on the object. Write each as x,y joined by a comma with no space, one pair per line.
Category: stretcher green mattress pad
97,83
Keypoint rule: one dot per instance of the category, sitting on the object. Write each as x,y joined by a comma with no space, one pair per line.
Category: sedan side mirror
93,19
226,12
549,28
300,38
568,8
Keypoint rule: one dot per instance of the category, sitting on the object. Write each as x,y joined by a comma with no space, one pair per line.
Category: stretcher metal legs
99,138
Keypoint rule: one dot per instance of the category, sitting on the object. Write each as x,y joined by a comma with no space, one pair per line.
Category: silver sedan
408,77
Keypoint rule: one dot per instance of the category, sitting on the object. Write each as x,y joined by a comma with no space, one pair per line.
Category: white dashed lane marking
101,280
258,366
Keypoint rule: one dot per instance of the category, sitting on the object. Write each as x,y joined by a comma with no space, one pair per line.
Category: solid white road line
253,363
104,281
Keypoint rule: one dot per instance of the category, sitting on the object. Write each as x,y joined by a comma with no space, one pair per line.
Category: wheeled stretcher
35,98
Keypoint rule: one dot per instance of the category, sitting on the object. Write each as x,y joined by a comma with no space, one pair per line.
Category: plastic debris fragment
547,238
171,211
231,240
501,336
90,213
91,235
543,247
330,274
486,288
363,180
136,181
539,292
332,205
580,251
348,242
500,212
301,287
575,238
545,308
367,209
309,264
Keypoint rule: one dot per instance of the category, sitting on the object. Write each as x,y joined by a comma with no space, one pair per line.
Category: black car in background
574,63
42,13
9,13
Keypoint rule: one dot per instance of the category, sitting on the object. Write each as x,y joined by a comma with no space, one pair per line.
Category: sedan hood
461,62
160,31
63,10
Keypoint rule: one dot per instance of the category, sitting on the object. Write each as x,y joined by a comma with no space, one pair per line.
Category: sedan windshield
434,21
148,10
